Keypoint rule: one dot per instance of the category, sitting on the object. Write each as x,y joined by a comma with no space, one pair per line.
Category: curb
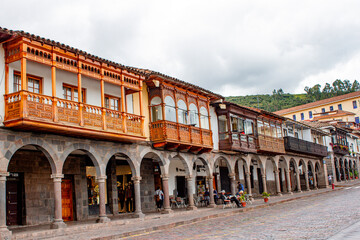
211,216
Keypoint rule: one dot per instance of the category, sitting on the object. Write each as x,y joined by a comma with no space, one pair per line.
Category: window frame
115,98
340,106
354,104
37,78
72,87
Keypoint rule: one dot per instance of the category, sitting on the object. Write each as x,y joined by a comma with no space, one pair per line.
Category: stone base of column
103,219
290,193
56,224
299,191
5,233
279,194
308,190
191,208
212,205
167,211
139,215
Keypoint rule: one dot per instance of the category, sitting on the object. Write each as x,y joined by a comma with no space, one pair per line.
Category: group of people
126,197
159,196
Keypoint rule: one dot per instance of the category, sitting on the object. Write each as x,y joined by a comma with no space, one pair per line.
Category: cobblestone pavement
316,217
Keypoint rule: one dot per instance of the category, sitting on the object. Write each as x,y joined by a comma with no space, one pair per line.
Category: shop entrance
14,199
259,175
67,200
180,186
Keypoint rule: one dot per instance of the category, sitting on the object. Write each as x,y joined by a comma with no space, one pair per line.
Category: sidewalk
119,228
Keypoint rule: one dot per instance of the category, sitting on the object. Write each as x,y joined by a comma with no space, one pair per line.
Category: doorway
259,176
180,186
67,200
14,199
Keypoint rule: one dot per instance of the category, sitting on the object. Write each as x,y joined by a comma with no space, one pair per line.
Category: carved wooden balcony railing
181,137
237,142
306,147
27,110
270,144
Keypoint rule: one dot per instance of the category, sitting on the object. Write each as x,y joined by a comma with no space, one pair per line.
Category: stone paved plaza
317,217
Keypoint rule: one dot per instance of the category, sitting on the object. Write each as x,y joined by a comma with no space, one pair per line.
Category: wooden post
123,108
80,98
23,74
7,78
53,89
141,108
103,111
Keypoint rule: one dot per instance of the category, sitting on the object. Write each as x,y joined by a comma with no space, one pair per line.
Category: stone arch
271,168
311,174
293,168
205,162
89,151
157,156
184,161
227,161
42,146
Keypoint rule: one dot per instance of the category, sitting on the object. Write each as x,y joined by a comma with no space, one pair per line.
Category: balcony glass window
273,130
170,112
285,133
112,103
223,127
156,112
33,83
354,104
237,124
267,129
182,112
194,115
71,93
249,126
204,118
260,127
278,129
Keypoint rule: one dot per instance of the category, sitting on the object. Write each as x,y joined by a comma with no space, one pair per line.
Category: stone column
248,183
190,193
4,231
165,184
102,216
277,182
138,212
307,181
315,180
211,191
264,182
298,181
232,183
58,221
288,181
353,172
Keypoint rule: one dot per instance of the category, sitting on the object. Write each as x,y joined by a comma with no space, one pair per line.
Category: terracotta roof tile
318,103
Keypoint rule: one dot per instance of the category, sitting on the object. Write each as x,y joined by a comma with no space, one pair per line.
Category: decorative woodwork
270,144
23,107
301,146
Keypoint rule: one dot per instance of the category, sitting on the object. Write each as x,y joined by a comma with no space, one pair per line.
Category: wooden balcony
36,112
237,142
181,137
267,144
301,146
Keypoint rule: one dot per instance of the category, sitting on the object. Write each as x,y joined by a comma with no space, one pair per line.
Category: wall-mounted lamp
156,83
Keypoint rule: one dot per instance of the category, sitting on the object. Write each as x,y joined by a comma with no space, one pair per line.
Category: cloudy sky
229,47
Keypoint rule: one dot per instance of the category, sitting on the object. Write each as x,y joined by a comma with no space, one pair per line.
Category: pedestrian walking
159,198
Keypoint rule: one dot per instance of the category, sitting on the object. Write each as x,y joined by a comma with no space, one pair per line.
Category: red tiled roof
318,103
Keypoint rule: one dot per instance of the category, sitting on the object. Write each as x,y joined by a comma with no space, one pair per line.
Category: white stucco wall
307,135
173,173
2,84
214,128
270,171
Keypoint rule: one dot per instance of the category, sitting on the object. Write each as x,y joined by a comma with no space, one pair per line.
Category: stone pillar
138,212
4,231
264,182
353,172
315,180
211,191
307,181
288,181
58,221
165,184
277,182
248,183
232,183
298,181
190,193
102,216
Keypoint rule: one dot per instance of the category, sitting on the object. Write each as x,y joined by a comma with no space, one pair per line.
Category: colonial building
85,138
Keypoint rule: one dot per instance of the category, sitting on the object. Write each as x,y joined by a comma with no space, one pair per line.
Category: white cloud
230,47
